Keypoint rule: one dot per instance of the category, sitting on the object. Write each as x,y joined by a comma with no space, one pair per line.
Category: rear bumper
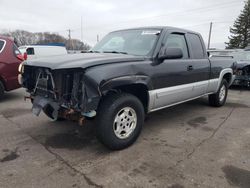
12,84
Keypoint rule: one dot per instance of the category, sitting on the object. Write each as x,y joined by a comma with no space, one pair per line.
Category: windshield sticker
151,32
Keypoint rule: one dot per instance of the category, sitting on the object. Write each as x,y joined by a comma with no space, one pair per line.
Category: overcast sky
102,16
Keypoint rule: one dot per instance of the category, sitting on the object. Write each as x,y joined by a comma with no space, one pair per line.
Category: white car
39,51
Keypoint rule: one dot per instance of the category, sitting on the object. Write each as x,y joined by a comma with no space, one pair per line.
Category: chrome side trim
4,44
186,92
153,110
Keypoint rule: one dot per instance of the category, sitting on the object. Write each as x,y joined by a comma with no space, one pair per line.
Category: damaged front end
66,94
242,76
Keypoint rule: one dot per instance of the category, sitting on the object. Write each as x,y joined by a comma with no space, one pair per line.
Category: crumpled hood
242,64
82,60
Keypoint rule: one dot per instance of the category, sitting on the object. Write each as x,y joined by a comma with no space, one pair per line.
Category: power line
179,13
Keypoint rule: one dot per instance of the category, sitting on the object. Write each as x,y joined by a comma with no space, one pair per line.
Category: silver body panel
170,96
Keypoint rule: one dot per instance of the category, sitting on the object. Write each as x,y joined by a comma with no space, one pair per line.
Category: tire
119,119
1,90
219,99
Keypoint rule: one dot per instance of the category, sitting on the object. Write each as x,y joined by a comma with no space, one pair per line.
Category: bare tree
26,38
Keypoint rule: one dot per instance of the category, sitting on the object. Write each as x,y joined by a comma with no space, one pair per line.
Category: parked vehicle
10,59
126,75
243,68
39,51
222,53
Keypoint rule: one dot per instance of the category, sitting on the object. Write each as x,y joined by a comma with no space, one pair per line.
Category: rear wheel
219,99
1,90
120,119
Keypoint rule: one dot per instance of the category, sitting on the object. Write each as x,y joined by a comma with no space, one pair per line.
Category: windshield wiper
115,52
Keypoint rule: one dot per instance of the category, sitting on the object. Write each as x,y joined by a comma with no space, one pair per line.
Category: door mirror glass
171,53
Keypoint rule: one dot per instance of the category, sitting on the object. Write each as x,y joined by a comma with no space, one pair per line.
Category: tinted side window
1,45
196,46
178,41
30,51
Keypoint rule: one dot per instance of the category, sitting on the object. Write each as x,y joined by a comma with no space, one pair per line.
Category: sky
89,18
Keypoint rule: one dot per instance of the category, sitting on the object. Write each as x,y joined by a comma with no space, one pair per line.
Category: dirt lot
190,145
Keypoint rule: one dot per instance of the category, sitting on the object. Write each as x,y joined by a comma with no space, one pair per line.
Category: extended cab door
173,77
200,67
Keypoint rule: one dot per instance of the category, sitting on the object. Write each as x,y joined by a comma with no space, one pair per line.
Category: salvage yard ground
186,146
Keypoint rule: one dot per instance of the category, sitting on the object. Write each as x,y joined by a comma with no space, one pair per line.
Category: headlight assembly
239,72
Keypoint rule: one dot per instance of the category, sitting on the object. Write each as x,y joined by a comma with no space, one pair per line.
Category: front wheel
219,99
120,118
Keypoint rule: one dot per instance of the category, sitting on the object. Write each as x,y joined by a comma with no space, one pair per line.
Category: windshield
241,56
135,42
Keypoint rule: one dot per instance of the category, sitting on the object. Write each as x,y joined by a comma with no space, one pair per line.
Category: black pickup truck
126,75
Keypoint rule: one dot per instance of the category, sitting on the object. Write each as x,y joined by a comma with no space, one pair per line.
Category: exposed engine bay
58,92
243,76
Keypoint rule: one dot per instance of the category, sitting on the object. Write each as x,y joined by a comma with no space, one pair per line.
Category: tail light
25,56
17,53
20,57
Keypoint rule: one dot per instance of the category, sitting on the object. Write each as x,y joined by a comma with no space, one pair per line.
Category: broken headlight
239,72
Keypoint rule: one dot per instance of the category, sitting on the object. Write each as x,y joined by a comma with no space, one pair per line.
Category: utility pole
209,36
70,43
81,30
97,38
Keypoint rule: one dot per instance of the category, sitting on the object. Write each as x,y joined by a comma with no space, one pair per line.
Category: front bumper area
67,94
242,81
47,105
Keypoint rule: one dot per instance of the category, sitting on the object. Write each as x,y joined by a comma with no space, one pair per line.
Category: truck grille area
64,86
45,85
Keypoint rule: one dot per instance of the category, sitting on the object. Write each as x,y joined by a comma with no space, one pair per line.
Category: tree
240,32
27,38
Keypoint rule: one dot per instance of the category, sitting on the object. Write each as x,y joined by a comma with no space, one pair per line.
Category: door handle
190,68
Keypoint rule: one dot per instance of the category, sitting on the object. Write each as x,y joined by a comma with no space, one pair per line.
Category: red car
10,59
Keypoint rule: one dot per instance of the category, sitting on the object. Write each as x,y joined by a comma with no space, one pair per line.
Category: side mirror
25,56
171,53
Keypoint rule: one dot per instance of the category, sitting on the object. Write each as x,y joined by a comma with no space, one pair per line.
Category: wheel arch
135,85
226,74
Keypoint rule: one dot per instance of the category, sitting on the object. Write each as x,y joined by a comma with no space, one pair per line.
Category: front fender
125,80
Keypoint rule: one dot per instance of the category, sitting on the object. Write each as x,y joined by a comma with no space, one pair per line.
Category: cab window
196,46
177,41
30,51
